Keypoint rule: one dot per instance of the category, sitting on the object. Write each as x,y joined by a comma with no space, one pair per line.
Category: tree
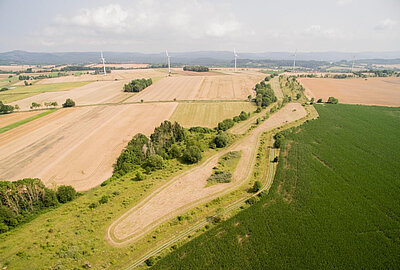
243,116
249,97
35,105
26,83
103,199
5,108
332,100
276,159
192,154
50,198
312,100
298,96
226,124
16,106
155,162
257,186
65,193
221,140
319,100
68,103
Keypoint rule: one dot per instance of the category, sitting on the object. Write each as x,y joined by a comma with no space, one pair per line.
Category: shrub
139,176
333,100
65,194
319,100
68,103
243,116
150,261
93,205
221,140
50,198
252,200
226,124
155,162
257,186
276,159
192,154
103,199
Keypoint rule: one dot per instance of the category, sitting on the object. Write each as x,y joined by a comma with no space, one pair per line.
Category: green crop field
208,114
21,92
334,203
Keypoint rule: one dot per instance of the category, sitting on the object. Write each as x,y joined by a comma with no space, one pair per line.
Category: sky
152,26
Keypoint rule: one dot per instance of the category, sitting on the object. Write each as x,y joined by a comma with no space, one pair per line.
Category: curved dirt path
189,188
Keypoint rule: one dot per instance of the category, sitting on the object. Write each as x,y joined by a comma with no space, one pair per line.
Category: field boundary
26,120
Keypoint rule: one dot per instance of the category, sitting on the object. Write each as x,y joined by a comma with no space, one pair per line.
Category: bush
155,162
65,194
319,100
243,116
139,176
252,200
333,100
150,261
221,140
50,198
68,103
192,154
93,205
226,124
103,199
257,186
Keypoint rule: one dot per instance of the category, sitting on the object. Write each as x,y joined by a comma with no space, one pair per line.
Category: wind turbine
169,62
294,60
235,54
104,65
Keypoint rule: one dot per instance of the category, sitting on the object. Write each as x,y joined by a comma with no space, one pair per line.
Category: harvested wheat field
371,91
190,188
8,119
220,87
122,65
114,75
92,93
208,114
76,146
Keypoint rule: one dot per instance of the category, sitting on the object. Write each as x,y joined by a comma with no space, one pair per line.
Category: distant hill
212,58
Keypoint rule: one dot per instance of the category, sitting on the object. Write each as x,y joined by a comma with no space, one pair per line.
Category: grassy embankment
334,202
24,121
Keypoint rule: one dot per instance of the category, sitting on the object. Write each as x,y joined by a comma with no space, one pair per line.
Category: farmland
61,150
371,91
334,202
220,87
208,114
28,93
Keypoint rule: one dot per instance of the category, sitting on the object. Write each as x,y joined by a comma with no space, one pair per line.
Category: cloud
386,24
318,31
174,21
343,2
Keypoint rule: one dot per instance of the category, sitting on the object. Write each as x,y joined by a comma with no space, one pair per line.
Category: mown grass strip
24,121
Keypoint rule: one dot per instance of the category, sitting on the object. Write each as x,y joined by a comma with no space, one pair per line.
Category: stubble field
371,91
76,146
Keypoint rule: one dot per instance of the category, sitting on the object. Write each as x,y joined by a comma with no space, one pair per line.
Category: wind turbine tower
169,62
104,65
294,60
235,54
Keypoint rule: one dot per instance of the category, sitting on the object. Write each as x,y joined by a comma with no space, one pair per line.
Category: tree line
168,141
21,200
196,68
137,85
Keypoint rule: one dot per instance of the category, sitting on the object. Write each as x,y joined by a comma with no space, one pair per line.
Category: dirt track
373,91
76,146
190,188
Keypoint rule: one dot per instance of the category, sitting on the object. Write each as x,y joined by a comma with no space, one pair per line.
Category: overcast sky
190,25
